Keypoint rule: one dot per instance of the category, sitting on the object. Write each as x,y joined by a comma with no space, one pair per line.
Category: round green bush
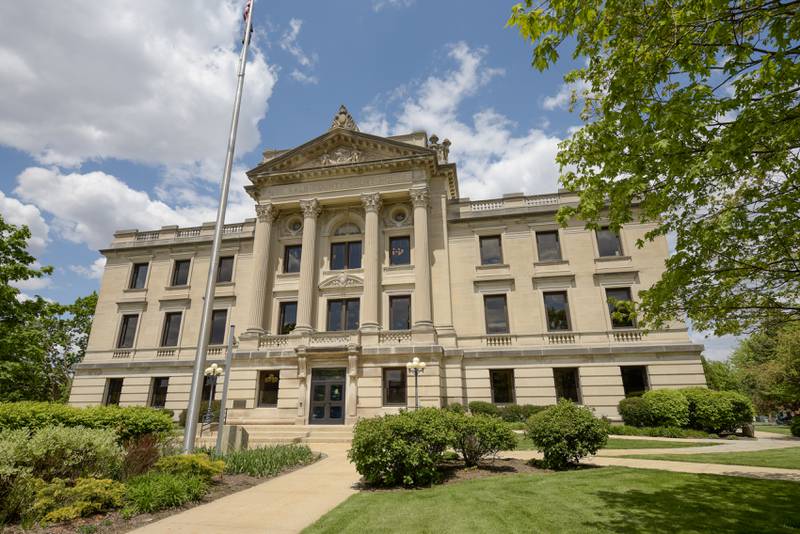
72,452
565,433
717,411
199,464
478,436
634,412
666,407
455,407
795,428
518,413
484,408
403,449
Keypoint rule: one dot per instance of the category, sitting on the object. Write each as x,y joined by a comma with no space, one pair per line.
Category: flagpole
192,410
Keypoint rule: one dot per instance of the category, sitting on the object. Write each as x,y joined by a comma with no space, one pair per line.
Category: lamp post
213,371
416,367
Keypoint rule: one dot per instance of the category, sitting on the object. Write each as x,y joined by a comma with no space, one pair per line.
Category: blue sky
115,114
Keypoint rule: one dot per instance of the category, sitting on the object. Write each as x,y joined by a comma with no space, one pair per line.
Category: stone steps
276,433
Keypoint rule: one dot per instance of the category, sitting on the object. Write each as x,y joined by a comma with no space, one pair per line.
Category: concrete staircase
271,434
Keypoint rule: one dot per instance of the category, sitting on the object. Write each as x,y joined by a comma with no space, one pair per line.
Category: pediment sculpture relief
339,156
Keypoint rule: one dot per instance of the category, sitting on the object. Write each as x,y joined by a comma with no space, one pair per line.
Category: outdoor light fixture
416,367
213,371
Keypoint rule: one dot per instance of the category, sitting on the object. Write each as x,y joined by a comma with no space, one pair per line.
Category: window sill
135,290
224,284
492,266
391,268
288,275
330,272
550,262
176,288
601,259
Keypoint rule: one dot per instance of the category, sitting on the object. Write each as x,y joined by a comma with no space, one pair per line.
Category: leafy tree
768,366
691,112
720,375
40,341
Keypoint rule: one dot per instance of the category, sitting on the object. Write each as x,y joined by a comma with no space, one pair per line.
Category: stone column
372,266
266,214
308,265
422,262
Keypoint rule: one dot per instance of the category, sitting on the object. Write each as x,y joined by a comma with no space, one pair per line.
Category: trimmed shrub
484,408
455,407
403,449
666,407
267,461
59,501
519,413
215,409
634,411
191,464
477,436
565,433
70,453
795,428
154,491
658,432
128,422
718,411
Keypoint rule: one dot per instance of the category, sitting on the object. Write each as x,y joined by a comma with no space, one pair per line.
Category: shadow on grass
704,504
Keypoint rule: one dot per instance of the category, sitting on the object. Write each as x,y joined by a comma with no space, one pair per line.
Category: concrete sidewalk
282,505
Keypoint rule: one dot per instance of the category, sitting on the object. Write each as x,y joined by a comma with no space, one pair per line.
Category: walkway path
765,441
282,505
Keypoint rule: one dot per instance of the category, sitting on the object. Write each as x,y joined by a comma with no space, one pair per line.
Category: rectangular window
291,258
268,388
127,331
225,269
346,255
496,311
218,320
634,380
343,314
615,297
158,394
394,386
491,250
207,389
180,272
139,275
566,380
400,250
113,392
557,310
288,317
547,246
400,312
502,385
172,327
608,243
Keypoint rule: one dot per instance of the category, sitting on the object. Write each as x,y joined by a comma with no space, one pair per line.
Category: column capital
266,212
371,201
310,208
420,197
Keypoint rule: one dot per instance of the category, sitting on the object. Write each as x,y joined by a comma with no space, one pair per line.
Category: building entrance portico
327,404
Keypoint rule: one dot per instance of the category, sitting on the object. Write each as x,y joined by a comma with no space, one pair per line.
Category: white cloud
562,99
304,78
378,5
17,213
33,284
93,271
492,159
88,208
145,80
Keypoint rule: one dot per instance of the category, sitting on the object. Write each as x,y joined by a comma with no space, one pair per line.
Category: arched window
348,228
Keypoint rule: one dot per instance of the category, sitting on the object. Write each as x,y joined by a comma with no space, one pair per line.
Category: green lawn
788,458
775,429
612,499
526,444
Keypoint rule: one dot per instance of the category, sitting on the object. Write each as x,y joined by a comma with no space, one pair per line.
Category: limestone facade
361,256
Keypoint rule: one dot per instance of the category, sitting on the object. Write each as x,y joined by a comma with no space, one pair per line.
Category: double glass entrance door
327,396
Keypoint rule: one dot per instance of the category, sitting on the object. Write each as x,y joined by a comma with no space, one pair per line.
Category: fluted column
308,265
372,266
422,263
266,214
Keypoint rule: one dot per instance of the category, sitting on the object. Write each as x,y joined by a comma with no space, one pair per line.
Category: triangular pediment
338,147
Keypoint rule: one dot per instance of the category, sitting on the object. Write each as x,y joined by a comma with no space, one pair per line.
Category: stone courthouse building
362,256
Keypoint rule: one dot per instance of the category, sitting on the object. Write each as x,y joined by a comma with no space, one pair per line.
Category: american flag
245,15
